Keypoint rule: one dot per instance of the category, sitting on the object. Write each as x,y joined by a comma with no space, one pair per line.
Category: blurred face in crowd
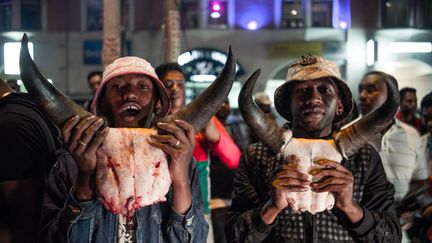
128,99
224,111
409,103
372,93
175,84
94,82
314,105
427,118
13,84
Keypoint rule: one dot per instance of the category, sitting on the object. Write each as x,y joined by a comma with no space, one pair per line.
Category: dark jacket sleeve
192,226
379,223
59,209
244,222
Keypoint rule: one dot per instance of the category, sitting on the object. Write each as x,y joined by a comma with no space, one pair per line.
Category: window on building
31,14
125,14
189,14
94,15
322,13
422,14
5,15
395,13
218,14
292,14
406,14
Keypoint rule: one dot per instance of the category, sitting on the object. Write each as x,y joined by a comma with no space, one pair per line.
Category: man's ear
339,107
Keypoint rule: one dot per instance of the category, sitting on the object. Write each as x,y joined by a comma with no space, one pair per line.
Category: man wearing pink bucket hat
130,96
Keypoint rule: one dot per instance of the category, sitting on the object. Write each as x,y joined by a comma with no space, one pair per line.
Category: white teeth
130,108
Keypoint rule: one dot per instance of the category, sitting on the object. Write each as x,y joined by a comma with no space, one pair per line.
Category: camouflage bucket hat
310,68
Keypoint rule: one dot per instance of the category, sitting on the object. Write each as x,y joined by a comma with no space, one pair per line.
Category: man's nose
315,97
129,93
174,87
362,95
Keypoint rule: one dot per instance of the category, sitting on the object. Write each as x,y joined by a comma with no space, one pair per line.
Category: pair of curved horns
348,140
59,108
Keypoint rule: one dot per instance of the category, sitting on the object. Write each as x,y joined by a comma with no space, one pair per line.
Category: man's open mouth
130,109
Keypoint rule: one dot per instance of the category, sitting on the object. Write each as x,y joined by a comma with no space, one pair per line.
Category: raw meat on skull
130,173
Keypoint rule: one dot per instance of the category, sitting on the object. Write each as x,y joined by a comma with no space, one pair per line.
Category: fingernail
320,162
304,176
75,117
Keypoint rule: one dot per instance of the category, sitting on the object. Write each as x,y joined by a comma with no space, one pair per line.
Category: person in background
408,108
212,139
400,147
235,125
421,231
426,112
264,103
28,145
94,79
221,177
315,99
13,84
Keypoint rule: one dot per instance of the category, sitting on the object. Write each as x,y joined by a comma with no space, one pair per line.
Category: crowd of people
229,182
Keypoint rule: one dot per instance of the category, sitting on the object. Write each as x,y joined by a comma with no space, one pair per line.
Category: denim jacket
64,219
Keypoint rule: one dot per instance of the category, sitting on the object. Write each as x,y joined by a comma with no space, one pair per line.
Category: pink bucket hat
310,68
132,65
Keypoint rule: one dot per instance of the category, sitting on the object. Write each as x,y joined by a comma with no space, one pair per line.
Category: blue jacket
64,219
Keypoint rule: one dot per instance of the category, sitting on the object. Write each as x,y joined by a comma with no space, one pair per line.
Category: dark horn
371,126
56,106
266,129
201,109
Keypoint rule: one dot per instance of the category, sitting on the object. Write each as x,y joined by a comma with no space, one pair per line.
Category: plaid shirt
252,189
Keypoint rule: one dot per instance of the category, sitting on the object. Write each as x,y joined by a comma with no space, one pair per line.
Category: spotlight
252,25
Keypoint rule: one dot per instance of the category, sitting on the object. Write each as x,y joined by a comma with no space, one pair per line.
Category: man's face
314,104
14,85
427,118
409,103
175,84
128,99
94,82
224,111
373,92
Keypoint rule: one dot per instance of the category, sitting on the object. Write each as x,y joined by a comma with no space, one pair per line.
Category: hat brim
282,99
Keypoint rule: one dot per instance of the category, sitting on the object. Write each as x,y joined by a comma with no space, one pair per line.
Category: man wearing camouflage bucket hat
315,101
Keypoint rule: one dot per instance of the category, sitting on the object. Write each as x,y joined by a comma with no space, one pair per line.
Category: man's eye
370,90
301,90
329,91
168,84
143,86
